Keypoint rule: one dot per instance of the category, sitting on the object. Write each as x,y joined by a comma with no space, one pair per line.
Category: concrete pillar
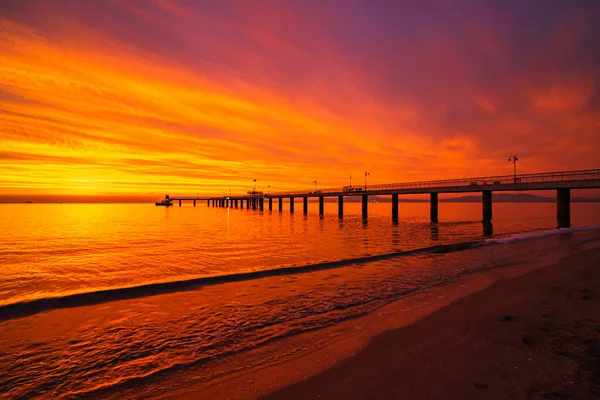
486,203
395,205
280,204
254,203
179,203
340,206
305,204
194,203
270,204
563,208
248,204
261,204
291,204
433,207
242,204
488,228
235,203
365,202
208,203
321,205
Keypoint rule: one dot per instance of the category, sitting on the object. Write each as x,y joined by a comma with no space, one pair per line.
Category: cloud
134,96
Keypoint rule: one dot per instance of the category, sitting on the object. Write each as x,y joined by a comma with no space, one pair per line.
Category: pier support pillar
254,203
280,204
242,204
305,204
270,204
261,204
291,204
194,203
486,203
395,206
179,203
235,203
208,203
365,203
248,204
321,205
563,208
341,206
433,207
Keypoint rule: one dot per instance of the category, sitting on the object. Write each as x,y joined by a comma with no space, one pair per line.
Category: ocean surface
98,298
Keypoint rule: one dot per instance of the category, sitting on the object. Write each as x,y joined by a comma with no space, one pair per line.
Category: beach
533,336
527,331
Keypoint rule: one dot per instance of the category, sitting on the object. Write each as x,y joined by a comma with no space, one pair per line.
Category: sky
146,97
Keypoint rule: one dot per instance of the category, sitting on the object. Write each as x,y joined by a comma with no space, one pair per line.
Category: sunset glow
124,97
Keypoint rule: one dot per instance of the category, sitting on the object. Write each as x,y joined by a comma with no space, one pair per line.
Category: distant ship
28,201
165,203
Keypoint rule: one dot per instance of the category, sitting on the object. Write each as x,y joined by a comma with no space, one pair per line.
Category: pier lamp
367,173
254,187
268,190
350,180
514,160
315,182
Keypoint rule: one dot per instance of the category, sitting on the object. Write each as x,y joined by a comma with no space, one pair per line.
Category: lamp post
268,190
514,160
350,180
367,173
254,191
315,182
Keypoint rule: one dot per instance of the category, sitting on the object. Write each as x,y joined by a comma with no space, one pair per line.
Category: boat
165,203
28,201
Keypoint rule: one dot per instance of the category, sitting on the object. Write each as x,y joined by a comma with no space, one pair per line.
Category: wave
537,234
28,308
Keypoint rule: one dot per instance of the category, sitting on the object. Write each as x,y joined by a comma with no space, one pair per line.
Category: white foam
532,235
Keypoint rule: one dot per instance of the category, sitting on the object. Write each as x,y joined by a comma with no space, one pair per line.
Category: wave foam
518,237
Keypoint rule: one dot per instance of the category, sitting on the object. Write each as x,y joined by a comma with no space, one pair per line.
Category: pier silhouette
561,182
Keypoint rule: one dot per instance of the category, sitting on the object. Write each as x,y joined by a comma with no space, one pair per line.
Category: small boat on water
165,203
28,201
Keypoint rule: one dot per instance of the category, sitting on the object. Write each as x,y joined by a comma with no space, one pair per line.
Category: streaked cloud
131,97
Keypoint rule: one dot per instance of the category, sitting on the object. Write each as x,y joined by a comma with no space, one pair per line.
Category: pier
560,182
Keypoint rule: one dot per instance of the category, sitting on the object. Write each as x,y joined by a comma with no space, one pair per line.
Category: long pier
561,182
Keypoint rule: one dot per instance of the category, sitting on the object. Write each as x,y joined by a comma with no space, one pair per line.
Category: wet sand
534,336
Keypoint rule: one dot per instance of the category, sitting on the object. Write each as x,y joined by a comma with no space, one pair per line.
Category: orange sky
142,98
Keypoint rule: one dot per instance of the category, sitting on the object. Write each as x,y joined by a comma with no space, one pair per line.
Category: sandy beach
536,336
521,331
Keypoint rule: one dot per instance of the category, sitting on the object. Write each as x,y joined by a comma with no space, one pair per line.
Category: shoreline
345,340
536,335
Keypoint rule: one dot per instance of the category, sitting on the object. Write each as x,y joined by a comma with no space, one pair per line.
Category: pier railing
581,175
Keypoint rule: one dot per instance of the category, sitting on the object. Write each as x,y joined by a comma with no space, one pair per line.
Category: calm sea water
95,298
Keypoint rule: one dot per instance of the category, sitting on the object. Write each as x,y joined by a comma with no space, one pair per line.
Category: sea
109,300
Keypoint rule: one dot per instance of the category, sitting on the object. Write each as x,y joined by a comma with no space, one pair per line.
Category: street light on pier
514,160
350,180
254,187
367,173
268,190
315,182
